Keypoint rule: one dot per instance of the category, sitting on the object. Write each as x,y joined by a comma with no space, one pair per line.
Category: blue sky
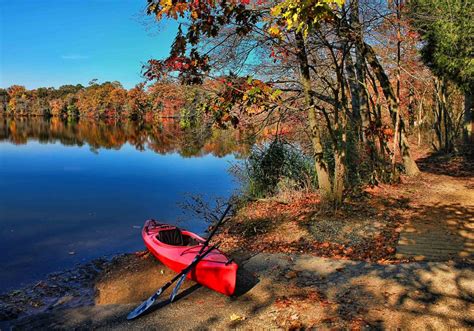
57,42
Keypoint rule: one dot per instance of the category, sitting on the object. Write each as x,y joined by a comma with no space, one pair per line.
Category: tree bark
468,117
360,94
419,120
355,99
411,167
395,140
397,100
339,175
446,117
322,169
443,125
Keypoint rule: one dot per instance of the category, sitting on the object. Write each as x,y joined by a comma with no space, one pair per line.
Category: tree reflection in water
163,137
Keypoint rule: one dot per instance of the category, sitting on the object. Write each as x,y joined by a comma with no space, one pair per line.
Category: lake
74,191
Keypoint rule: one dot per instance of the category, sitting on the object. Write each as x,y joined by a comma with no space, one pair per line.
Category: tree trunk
411,107
419,120
446,117
469,117
322,169
340,160
397,100
410,166
339,176
438,143
395,140
443,124
355,99
360,69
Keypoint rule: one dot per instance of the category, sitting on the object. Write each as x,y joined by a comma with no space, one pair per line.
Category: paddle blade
176,288
144,306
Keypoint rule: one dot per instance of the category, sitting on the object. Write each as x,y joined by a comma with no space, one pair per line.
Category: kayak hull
214,271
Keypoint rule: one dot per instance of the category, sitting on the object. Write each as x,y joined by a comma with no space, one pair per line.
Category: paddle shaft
183,276
206,243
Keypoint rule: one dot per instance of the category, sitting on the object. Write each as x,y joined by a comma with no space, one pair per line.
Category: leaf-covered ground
366,228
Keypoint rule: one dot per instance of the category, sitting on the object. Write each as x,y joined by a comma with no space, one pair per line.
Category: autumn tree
101,100
18,100
302,48
4,98
137,101
167,98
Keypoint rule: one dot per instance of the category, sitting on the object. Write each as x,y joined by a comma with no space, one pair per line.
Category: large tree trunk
443,125
419,121
360,89
355,99
411,167
339,176
322,169
340,158
448,128
397,96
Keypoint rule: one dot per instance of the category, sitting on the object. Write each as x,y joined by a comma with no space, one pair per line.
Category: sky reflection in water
65,204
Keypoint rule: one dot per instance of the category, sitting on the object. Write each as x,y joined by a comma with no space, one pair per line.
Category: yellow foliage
302,15
275,31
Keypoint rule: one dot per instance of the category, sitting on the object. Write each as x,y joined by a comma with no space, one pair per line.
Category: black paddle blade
144,306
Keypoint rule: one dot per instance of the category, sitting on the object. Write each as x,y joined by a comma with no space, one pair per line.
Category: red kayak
176,249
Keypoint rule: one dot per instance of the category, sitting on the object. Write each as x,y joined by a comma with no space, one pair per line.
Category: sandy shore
274,291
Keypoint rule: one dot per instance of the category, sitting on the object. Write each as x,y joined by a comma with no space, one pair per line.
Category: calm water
71,192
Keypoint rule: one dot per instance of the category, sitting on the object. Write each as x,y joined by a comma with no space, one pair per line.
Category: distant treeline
101,100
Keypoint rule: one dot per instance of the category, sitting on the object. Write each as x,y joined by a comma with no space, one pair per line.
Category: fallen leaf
235,317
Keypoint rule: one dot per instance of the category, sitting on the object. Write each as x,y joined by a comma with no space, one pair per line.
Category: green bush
277,166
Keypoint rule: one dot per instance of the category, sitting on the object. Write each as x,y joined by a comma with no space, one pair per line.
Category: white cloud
74,57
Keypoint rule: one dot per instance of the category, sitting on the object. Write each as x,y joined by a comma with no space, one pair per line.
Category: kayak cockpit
175,237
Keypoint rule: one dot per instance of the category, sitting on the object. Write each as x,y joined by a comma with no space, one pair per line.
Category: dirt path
440,223
281,292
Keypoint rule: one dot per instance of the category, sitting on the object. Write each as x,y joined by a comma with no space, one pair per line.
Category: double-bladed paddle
145,305
181,276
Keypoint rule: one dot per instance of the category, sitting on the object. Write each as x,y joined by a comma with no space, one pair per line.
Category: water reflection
163,137
70,192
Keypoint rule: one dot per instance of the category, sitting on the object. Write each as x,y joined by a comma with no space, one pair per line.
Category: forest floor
429,217
300,266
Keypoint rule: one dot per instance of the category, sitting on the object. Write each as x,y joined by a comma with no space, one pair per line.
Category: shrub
274,167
